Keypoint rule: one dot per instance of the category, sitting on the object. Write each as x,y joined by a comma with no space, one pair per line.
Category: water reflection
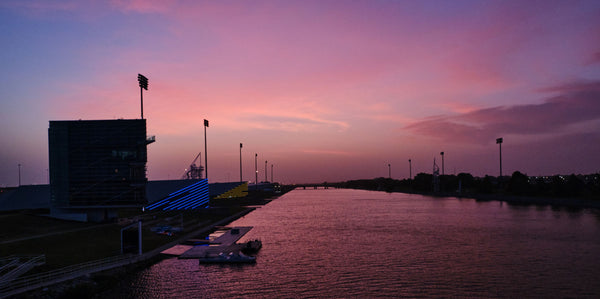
349,243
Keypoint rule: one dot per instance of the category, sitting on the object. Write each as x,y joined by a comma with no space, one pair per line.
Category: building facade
97,166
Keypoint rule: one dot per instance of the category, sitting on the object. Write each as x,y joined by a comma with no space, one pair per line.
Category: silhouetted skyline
322,90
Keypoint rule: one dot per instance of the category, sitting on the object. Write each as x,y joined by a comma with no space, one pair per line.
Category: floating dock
224,243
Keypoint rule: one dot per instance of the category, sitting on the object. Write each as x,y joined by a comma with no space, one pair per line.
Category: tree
519,184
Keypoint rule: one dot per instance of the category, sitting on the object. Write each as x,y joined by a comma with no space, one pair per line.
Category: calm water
352,243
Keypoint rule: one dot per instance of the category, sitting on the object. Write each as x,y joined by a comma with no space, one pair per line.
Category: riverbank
90,280
581,203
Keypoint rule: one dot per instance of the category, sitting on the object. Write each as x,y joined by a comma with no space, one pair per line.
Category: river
355,243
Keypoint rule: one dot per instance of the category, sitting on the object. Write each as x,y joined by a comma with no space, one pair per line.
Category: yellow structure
239,191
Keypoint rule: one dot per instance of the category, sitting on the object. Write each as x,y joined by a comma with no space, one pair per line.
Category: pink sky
323,90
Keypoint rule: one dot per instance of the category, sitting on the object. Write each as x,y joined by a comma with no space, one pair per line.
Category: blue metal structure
191,197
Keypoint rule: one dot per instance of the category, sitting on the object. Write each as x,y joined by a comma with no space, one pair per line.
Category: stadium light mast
19,165
241,162
205,152
499,142
442,153
143,85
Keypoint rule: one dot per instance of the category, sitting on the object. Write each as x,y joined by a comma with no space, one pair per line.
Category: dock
224,243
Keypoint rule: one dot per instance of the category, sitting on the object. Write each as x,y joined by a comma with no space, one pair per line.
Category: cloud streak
574,103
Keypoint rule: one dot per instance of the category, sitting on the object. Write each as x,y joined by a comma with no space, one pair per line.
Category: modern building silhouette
97,167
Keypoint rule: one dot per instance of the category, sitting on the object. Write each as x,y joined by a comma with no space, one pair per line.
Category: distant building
96,167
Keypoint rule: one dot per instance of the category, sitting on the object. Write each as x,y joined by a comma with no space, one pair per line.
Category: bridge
315,186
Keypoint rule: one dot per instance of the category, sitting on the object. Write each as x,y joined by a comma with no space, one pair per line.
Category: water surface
354,243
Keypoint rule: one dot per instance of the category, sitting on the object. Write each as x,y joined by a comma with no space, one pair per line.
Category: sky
322,90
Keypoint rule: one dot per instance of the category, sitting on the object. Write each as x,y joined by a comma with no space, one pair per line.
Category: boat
231,258
252,246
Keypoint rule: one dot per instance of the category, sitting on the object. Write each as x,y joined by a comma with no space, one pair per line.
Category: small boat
252,247
231,258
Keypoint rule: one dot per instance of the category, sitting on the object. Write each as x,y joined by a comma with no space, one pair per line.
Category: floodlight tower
143,85
442,153
499,142
205,152
240,162
19,174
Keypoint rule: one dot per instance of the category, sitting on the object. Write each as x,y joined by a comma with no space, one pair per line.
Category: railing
16,285
24,264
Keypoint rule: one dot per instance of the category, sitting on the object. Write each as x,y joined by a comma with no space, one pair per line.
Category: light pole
266,171
143,85
442,153
241,162
205,152
499,142
19,174
255,171
409,169
390,170
271,173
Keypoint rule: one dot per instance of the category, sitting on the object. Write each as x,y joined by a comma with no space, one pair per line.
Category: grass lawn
67,243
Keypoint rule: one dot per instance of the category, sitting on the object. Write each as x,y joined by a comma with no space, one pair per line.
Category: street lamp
390,171
272,173
205,151
266,171
442,153
499,142
143,81
255,171
241,162
409,169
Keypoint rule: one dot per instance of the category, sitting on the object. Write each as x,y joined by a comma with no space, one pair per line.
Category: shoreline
517,200
91,283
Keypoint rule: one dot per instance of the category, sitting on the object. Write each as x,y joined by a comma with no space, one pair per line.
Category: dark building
96,167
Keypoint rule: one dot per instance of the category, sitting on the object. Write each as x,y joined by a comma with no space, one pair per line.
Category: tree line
518,184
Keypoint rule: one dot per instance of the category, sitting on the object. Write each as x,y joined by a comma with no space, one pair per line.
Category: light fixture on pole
390,170
241,162
271,173
143,85
409,169
255,171
499,142
19,174
266,171
442,153
205,152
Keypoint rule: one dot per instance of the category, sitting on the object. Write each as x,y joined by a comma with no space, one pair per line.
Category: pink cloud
576,103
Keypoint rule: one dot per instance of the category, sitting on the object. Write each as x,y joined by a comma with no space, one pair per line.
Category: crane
194,172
